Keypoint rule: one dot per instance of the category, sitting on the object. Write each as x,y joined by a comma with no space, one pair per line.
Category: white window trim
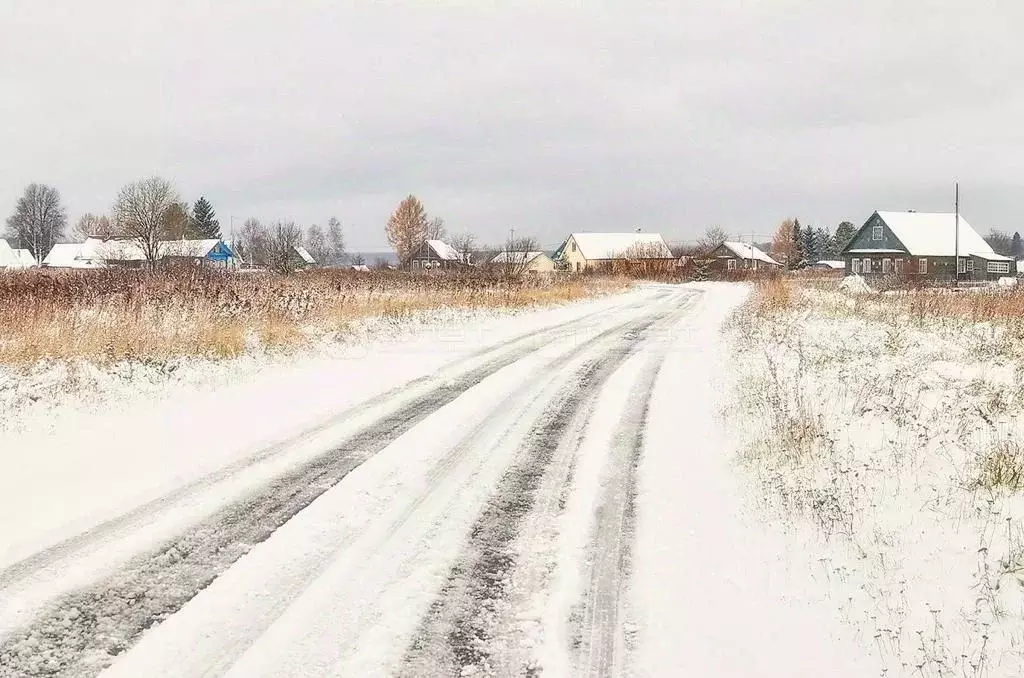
886,266
730,264
855,266
876,232
998,267
922,265
970,265
961,265
866,265
899,266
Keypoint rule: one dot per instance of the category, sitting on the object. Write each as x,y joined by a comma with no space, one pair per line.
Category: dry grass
118,314
1001,468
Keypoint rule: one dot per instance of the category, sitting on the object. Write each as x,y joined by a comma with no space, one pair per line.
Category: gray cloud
543,116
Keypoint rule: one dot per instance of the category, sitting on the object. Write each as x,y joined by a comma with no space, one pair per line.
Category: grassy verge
885,433
112,315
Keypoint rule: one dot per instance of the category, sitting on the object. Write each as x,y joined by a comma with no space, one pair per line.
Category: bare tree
282,239
316,244
251,243
335,241
92,226
463,243
407,228
435,229
711,239
358,260
516,256
143,211
38,220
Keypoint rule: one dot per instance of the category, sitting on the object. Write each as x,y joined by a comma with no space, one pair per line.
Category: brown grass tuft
1001,468
116,314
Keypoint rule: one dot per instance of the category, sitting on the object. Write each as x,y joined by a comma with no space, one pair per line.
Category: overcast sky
550,117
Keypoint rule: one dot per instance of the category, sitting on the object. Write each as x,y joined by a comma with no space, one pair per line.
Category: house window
573,245
970,265
998,267
922,265
855,266
876,232
730,264
961,265
577,267
886,266
867,266
899,267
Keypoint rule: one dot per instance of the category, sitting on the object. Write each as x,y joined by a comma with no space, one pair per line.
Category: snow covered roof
64,255
304,254
444,251
362,268
99,250
932,234
187,248
615,245
745,251
516,257
7,258
830,263
24,259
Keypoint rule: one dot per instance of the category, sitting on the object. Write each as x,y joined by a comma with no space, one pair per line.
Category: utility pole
956,233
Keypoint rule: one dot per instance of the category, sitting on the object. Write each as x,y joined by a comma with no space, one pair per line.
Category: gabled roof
744,251
305,255
99,250
24,259
66,255
516,257
829,263
597,246
933,234
197,249
7,258
444,251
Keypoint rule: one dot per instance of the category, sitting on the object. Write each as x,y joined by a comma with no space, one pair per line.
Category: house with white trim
924,246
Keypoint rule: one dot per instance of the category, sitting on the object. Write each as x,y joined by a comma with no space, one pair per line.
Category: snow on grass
888,444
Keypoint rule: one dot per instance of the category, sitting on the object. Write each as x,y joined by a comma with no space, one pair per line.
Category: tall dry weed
116,314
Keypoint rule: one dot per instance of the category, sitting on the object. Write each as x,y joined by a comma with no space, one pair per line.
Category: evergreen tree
809,244
799,258
826,244
204,223
1016,247
844,234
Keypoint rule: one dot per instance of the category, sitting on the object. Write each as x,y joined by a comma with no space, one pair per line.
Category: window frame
922,265
855,267
865,265
898,266
886,266
730,264
877,232
998,267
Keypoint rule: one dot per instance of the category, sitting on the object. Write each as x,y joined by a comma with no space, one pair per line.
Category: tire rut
597,623
455,636
85,630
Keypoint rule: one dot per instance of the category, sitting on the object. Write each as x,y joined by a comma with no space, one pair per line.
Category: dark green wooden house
923,245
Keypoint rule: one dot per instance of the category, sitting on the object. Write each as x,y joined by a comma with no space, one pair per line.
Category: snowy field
552,493
887,448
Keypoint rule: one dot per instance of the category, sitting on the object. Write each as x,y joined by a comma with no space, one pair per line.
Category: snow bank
854,284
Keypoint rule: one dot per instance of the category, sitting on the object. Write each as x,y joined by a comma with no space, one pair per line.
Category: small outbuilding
736,256
523,262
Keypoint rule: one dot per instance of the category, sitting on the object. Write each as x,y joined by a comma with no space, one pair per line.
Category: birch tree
38,220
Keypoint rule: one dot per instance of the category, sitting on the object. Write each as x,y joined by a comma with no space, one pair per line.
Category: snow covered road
497,510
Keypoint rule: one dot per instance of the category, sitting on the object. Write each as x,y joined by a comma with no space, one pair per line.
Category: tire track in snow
15,572
598,623
458,635
87,629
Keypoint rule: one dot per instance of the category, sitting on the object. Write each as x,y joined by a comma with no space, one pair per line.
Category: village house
524,262
592,251
125,253
434,254
735,256
923,245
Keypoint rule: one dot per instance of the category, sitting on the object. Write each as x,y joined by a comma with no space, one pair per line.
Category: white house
583,251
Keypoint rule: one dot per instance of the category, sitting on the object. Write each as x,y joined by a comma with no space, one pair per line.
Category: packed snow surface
550,494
